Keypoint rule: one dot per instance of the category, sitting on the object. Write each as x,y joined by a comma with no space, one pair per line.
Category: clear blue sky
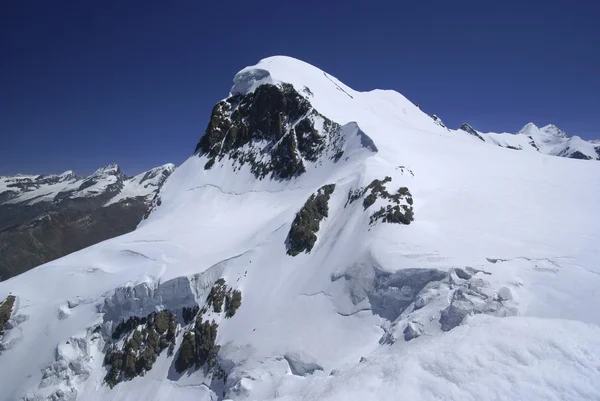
84,84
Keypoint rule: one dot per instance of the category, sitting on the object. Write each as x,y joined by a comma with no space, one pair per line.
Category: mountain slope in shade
549,140
44,217
426,264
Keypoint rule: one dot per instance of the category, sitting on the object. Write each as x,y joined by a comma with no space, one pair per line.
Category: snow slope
509,237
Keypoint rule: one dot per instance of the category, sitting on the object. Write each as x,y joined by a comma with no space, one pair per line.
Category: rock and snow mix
487,292
106,182
549,140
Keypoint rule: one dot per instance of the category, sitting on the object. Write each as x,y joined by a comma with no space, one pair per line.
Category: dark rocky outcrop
578,155
271,129
438,121
133,344
452,316
216,297
6,308
399,210
303,233
143,340
225,299
533,144
412,331
198,347
233,301
467,128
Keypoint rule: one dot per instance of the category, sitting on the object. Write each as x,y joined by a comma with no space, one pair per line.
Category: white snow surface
529,219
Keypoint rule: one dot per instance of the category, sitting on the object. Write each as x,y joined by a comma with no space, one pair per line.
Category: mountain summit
326,244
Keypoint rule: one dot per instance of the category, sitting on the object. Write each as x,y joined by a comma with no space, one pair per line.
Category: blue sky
84,84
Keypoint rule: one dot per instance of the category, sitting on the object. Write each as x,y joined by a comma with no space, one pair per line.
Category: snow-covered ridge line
108,182
549,140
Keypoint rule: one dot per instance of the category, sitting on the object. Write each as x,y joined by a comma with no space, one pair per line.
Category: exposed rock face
303,233
6,307
412,331
43,218
578,155
466,127
438,121
144,340
274,129
398,207
533,144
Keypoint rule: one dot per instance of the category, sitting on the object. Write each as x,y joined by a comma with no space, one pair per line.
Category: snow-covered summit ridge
106,181
342,102
275,124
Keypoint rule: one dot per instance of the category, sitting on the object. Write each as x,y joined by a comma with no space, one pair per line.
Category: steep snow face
378,305
106,182
548,140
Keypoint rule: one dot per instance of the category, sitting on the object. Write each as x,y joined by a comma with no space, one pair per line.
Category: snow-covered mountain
549,140
44,217
326,244
105,186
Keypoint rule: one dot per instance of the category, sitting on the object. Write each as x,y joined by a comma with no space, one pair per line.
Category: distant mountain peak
67,174
554,131
529,128
112,169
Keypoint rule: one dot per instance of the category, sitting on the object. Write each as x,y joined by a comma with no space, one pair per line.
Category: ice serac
327,244
247,81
